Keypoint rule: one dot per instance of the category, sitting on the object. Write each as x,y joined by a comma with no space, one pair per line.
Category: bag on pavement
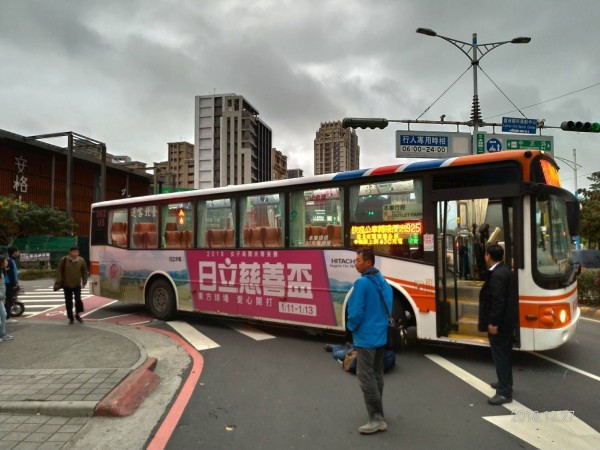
349,359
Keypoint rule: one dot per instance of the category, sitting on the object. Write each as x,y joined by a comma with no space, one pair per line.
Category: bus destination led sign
387,234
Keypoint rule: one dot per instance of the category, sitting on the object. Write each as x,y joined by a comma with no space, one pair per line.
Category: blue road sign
493,145
519,125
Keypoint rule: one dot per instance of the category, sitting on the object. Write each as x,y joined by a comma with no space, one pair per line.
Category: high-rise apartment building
181,164
336,149
279,164
295,173
232,145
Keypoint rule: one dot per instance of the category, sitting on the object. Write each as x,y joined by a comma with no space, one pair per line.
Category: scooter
18,308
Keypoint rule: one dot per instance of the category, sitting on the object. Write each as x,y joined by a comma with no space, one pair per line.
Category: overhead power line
544,101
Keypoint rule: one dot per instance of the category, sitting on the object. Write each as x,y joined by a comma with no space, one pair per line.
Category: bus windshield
553,242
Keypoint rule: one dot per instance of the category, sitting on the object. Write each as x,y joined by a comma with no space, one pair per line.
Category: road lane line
249,331
589,319
193,336
545,433
567,366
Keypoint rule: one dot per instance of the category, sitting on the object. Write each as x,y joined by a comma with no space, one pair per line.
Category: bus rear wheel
161,300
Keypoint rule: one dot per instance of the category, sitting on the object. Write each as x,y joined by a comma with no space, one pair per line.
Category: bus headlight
554,316
562,316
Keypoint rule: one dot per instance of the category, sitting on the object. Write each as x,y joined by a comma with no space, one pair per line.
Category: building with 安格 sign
37,172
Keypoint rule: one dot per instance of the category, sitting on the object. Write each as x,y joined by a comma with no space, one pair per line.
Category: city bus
283,252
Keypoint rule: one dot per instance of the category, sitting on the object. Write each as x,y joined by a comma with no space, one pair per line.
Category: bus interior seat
118,234
256,238
334,235
150,239
173,239
186,238
138,239
271,236
215,238
246,236
229,238
317,234
171,226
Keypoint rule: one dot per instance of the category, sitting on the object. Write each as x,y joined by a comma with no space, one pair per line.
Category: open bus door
463,228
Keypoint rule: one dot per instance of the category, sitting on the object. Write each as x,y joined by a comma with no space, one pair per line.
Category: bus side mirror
573,217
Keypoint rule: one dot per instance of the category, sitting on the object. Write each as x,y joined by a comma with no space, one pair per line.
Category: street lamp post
573,165
478,51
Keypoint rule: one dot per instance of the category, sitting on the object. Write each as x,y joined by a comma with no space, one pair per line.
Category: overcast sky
125,72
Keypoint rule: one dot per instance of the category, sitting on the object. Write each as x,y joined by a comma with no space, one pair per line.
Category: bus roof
402,165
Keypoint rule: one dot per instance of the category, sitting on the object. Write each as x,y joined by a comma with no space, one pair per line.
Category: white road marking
567,366
589,319
193,336
249,331
550,432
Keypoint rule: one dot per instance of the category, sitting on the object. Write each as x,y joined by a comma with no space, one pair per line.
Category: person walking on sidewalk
3,335
72,276
368,322
11,280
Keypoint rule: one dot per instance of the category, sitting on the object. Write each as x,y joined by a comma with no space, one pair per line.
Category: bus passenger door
463,228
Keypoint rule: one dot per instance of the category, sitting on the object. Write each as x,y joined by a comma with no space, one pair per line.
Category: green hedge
588,287
36,274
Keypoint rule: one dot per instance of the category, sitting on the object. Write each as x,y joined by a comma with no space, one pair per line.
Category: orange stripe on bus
94,268
548,298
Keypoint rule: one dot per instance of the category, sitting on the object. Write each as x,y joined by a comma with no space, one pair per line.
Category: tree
590,211
21,219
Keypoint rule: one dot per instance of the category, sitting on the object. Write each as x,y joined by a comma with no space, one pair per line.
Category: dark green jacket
71,273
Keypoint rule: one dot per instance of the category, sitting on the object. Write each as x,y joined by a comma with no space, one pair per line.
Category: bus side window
143,223
177,221
316,218
263,224
216,223
118,227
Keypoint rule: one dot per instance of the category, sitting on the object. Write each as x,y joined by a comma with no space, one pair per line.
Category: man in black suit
497,301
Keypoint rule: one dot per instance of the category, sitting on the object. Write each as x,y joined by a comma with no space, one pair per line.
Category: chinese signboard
431,144
519,125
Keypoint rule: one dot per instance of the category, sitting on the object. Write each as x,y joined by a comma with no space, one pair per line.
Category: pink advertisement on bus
301,286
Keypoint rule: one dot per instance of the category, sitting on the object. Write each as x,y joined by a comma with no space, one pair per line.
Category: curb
53,408
127,396
589,311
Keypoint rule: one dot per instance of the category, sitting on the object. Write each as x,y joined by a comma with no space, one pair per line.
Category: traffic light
352,122
583,127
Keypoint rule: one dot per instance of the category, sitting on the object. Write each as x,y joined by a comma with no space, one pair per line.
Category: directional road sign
519,125
490,143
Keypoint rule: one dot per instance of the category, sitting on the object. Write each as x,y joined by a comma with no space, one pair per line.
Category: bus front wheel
161,300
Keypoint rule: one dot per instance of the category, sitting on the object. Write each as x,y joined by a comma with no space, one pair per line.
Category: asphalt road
281,390
286,392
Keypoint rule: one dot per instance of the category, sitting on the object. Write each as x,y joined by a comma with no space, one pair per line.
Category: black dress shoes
494,385
499,400
79,319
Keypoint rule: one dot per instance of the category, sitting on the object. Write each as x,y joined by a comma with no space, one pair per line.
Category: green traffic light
352,122
581,127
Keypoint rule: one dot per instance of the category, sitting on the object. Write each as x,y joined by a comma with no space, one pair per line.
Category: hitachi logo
342,261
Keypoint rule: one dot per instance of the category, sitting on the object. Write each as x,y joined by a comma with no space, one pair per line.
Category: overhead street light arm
474,45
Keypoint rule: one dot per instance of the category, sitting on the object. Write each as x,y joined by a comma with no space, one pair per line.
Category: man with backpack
368,322
71,275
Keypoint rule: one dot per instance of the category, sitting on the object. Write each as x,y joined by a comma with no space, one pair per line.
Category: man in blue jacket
11,280
367,320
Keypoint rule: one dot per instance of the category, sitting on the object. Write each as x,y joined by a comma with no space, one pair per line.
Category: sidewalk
56,379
